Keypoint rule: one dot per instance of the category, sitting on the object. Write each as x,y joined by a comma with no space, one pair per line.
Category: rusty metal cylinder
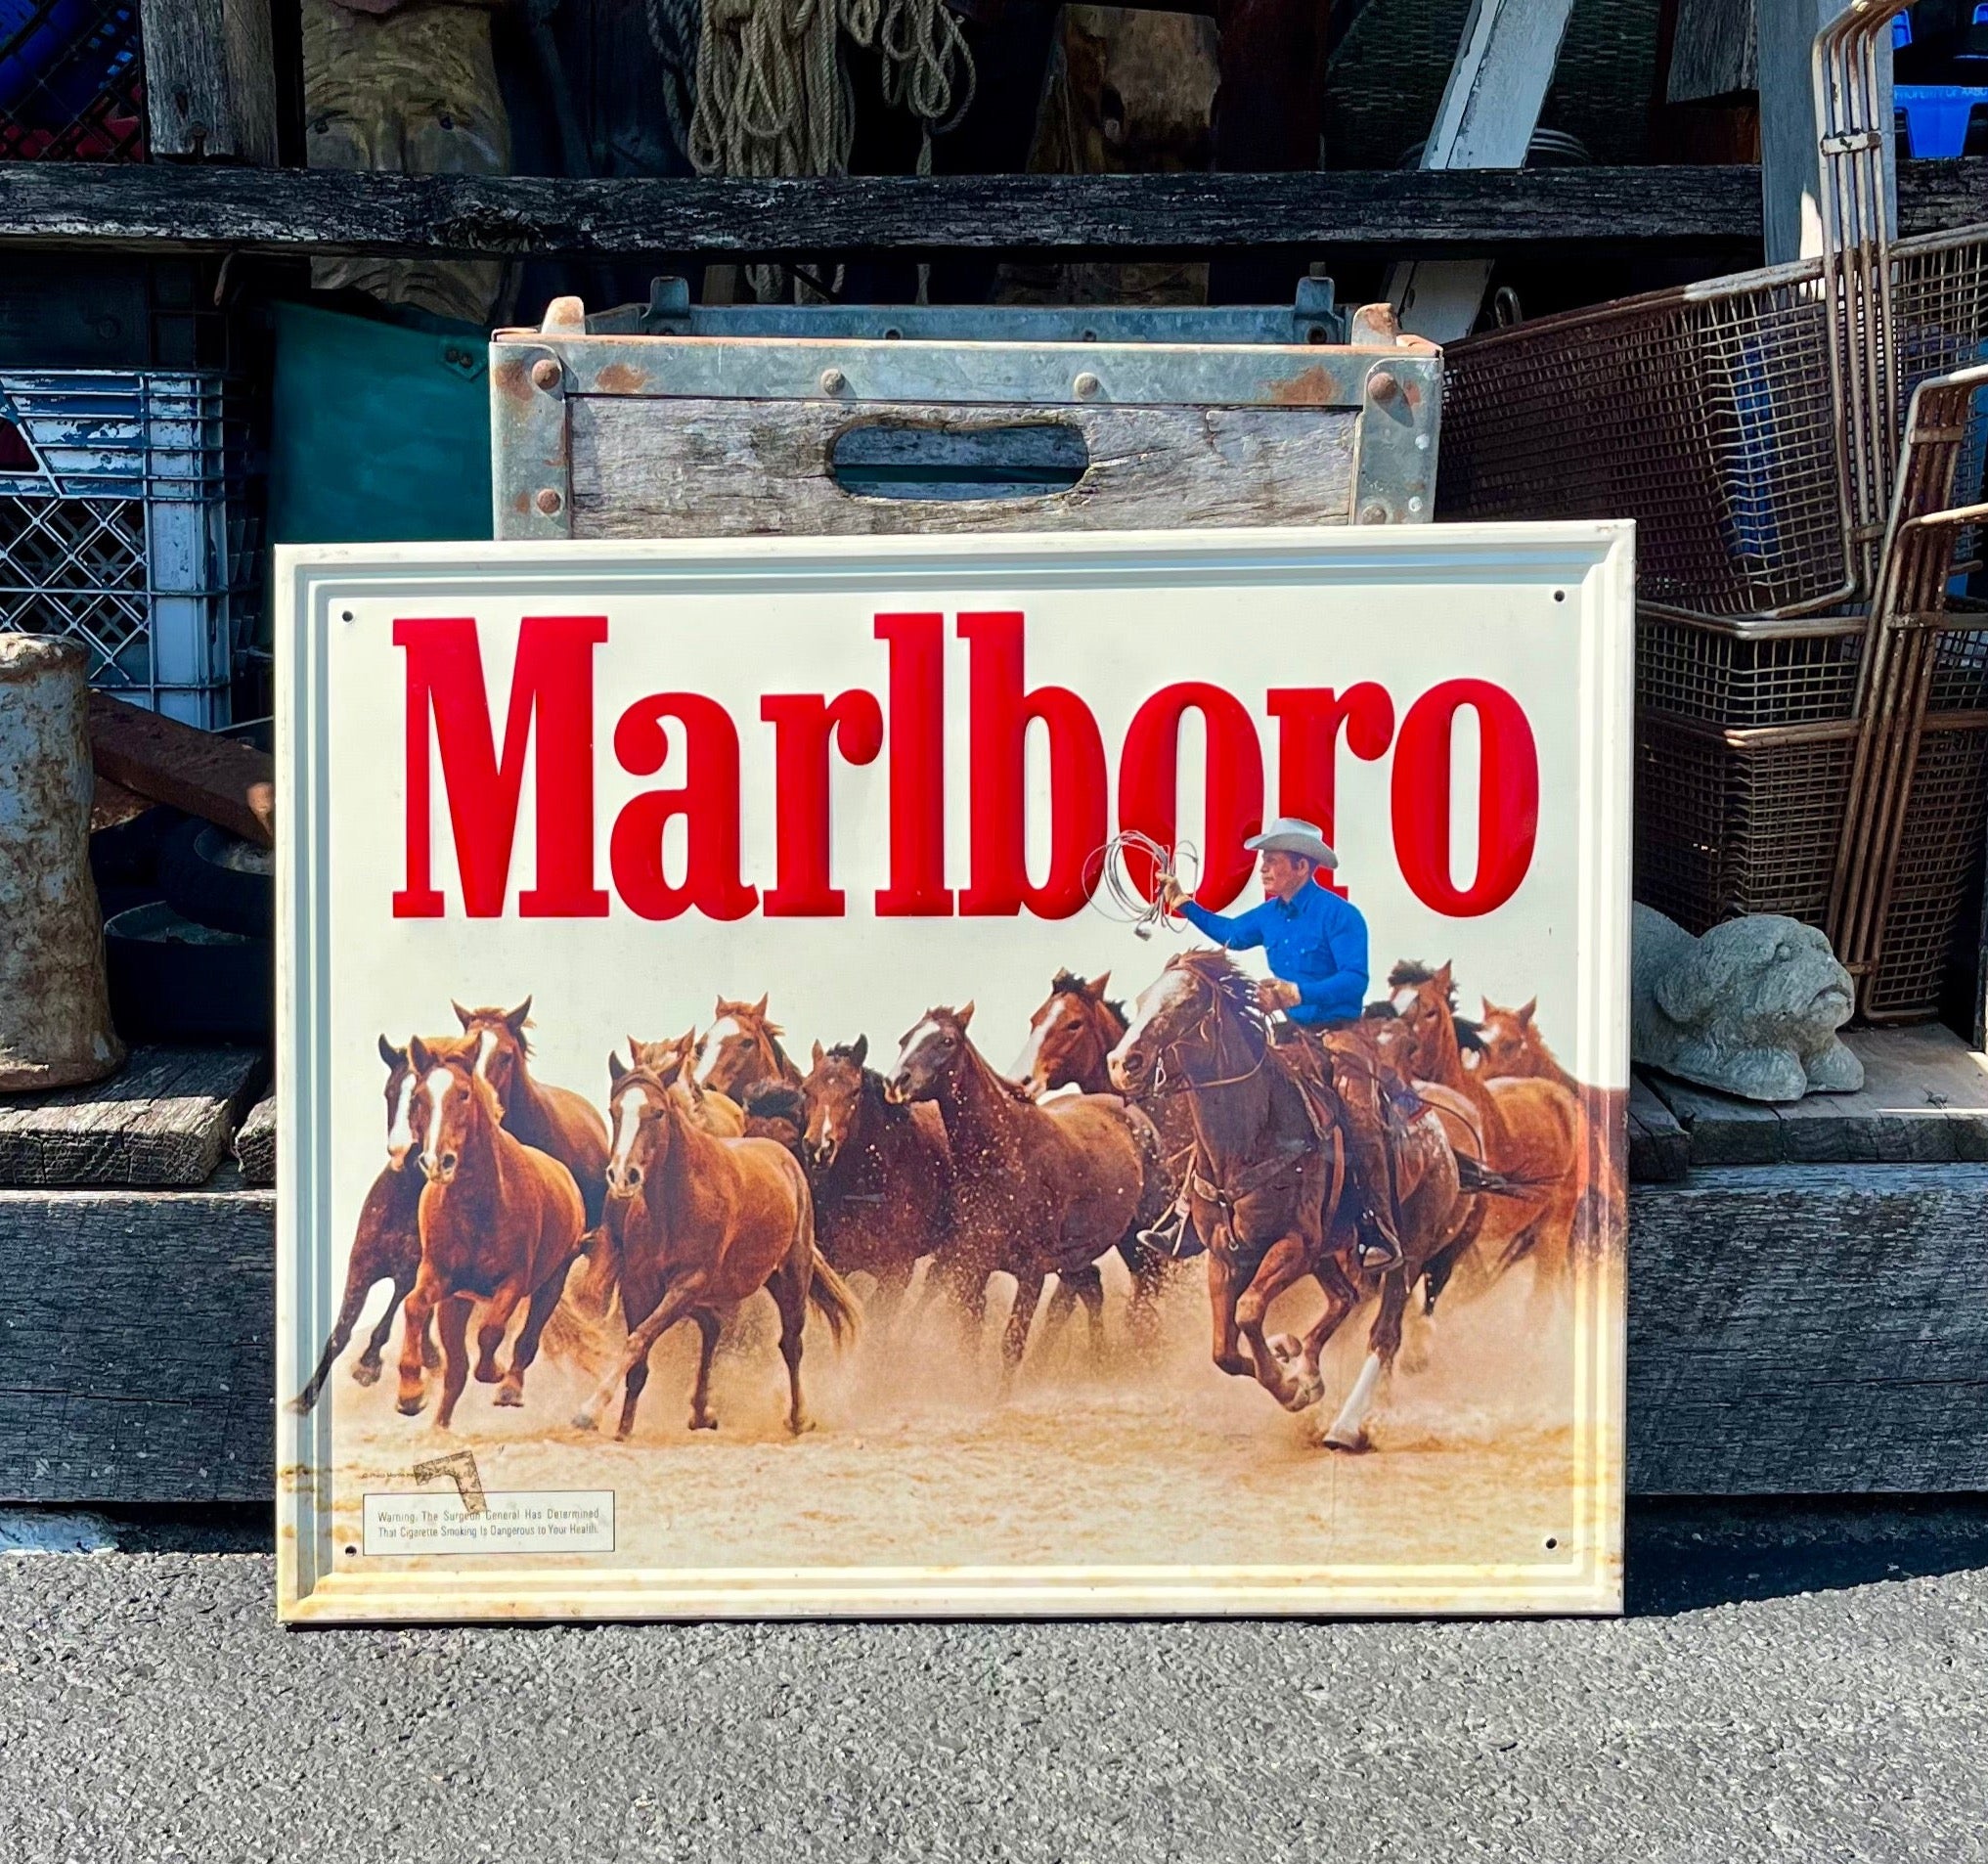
55,1009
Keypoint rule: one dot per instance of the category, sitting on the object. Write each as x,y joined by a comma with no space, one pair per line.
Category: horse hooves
487,1374
432,1357
799,1426
1286,1347
299,1406
365,1372
411,1406
584,1421
509,1396
1310,1392
1359,1444
705,1423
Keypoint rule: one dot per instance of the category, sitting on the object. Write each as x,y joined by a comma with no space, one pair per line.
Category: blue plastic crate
128,522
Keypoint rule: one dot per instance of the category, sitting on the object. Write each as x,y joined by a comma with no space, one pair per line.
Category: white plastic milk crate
126,524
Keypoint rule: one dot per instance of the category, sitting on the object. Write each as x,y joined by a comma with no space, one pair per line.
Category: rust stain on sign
460,1467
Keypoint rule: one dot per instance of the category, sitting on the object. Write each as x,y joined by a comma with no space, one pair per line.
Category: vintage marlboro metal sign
1013,1074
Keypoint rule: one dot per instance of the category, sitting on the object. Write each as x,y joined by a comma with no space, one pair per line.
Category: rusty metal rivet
546,374
1086,386
833,381
549,501
1375,514
1382,385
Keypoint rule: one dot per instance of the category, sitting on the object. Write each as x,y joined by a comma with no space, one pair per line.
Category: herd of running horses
721,1167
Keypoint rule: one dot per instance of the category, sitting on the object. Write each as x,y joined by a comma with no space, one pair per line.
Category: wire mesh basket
128,522
71,81
1706,414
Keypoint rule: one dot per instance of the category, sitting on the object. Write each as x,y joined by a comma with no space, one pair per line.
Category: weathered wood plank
163,1118
219,779
1816,1329
218,208
733,469
210,79
1714,51
256,1143
1924,1099
1659,1149
1801,1330
136,1345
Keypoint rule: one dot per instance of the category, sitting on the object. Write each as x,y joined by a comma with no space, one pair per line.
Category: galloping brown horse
881,1173
1265,1190
555,1119
1070,1042
1531,1125
1036,1190
387,1246
741,1046
670,1062
1509,1043
706,1224
500,1224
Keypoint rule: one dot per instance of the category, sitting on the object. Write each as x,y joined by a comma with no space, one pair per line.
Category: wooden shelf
164,208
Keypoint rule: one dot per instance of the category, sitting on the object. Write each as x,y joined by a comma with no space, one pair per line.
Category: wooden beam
164,1118
256,1143
325,210
1791,1331
210,79
135,1362
1808,1330
1489,109
1714,52
1924,1099
217,778
1790,172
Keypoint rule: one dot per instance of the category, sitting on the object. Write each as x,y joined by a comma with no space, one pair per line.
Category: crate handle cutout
901,460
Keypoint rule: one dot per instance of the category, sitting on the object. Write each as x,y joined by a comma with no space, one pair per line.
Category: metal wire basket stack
1912,848
1753,425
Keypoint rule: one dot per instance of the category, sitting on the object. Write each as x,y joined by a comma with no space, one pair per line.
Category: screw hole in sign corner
1552,1543
1560,594
352,1552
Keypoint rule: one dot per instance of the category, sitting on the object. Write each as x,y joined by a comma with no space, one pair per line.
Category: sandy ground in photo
916,1460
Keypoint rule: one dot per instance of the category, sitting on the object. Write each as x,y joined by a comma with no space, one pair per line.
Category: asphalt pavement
1792,1683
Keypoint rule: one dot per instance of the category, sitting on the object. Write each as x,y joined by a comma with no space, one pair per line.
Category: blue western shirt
1315,940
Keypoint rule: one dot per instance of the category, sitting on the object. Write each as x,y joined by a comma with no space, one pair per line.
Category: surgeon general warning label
523,1521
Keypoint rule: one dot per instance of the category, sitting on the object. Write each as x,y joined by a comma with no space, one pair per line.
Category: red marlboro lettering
1309,721
708,802
917,711
805,727
551,683
1149,784
1000,711
1508,797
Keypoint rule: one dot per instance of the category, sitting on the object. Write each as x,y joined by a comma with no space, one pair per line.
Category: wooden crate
796,421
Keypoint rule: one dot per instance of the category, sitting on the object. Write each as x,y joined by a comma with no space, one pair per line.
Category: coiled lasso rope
773,97
1106,876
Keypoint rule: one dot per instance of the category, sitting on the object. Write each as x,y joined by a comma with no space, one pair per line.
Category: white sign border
1593,561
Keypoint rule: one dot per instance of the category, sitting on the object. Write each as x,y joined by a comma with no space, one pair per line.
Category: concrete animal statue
1751,1008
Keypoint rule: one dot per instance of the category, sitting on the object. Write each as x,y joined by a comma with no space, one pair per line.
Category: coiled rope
1108,877
773,97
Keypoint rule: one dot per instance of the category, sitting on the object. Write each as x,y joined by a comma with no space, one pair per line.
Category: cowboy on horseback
1316,943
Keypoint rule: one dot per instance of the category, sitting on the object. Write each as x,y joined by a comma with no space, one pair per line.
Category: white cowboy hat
1288,835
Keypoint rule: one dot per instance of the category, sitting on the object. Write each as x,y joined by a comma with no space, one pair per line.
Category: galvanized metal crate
669,420
128,522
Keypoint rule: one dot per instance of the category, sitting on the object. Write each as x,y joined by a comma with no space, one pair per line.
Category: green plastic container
379,434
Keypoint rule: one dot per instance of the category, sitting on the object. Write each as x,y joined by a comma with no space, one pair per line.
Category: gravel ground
1792,1683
